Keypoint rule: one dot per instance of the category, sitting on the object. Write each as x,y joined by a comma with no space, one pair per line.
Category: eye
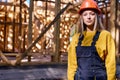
84,14
92,13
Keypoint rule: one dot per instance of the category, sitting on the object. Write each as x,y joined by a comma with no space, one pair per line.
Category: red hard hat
89,4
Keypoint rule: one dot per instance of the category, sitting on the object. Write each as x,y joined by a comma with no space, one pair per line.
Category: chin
89,24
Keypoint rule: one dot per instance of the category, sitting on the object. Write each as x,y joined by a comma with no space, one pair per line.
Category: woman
91,54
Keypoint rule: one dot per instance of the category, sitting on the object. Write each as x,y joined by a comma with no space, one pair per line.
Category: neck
90,28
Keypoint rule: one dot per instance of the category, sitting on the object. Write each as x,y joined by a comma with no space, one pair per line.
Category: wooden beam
21,56
113,24
30,26
117,21
4,58
56,55
112,18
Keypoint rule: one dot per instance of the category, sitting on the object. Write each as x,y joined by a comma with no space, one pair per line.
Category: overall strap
80,39
94,39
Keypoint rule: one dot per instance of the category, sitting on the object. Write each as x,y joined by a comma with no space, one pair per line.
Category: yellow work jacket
105,47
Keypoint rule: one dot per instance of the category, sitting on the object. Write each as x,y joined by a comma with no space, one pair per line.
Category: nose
88,16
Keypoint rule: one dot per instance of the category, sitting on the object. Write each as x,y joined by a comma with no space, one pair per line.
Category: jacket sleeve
72,63
110,60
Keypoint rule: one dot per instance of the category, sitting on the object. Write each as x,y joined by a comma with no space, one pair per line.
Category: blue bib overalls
90,65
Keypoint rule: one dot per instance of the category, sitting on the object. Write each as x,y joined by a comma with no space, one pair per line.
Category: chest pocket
84,51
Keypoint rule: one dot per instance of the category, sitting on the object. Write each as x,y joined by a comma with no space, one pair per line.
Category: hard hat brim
95,10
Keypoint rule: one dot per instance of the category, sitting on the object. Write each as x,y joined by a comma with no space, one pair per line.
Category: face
89,17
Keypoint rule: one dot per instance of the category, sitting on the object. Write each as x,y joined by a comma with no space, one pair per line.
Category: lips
89,21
